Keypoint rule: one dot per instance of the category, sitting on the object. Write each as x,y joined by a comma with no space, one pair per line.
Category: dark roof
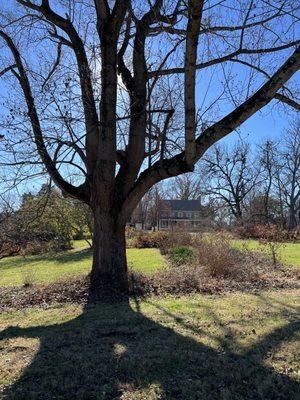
185,205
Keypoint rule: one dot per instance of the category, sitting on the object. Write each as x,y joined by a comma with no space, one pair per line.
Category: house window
164,224
196,215
179,214
188,215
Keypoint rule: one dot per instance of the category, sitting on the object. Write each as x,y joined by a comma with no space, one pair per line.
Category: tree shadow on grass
72,256
113,351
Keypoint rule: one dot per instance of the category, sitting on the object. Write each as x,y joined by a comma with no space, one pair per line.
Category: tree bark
292,223
109,269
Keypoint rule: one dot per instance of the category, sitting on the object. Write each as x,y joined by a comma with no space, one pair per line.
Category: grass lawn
289,253
50,268
231,347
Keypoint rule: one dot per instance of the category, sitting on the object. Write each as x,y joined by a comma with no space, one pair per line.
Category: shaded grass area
289,253
237,347
50,268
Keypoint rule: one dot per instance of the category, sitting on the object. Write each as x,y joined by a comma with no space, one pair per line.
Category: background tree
46,217
10,243
269,164
288,175
148,209
230,176
81,219
256,211
186,187
43,218
101,86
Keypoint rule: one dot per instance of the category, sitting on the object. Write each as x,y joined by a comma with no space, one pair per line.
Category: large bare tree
115,104
288,174
187,187
230,176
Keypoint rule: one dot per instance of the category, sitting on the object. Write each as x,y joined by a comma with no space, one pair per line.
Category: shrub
37,247
272,241
176,239
216,255
177,280
182,255
42,247
9,249
130,232
250,272
150,239
262,231
270,236
60,243
220,260
162,240
212,265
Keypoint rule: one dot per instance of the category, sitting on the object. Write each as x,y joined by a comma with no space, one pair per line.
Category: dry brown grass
190,279
174,281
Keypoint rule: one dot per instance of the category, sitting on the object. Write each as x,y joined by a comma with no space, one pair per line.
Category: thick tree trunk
109,269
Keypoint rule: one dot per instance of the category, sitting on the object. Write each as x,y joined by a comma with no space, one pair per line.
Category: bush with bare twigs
162,240
272,238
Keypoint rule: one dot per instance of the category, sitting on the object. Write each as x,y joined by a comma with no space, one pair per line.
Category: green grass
289,253
231,347
50,268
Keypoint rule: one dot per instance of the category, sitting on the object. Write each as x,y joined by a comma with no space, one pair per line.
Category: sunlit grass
289,253
50,268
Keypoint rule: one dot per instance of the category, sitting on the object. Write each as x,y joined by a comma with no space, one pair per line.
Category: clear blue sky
268,123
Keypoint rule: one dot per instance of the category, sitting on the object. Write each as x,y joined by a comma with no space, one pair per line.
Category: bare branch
91,117
193,28
55,65
7,69
228,57
32,112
